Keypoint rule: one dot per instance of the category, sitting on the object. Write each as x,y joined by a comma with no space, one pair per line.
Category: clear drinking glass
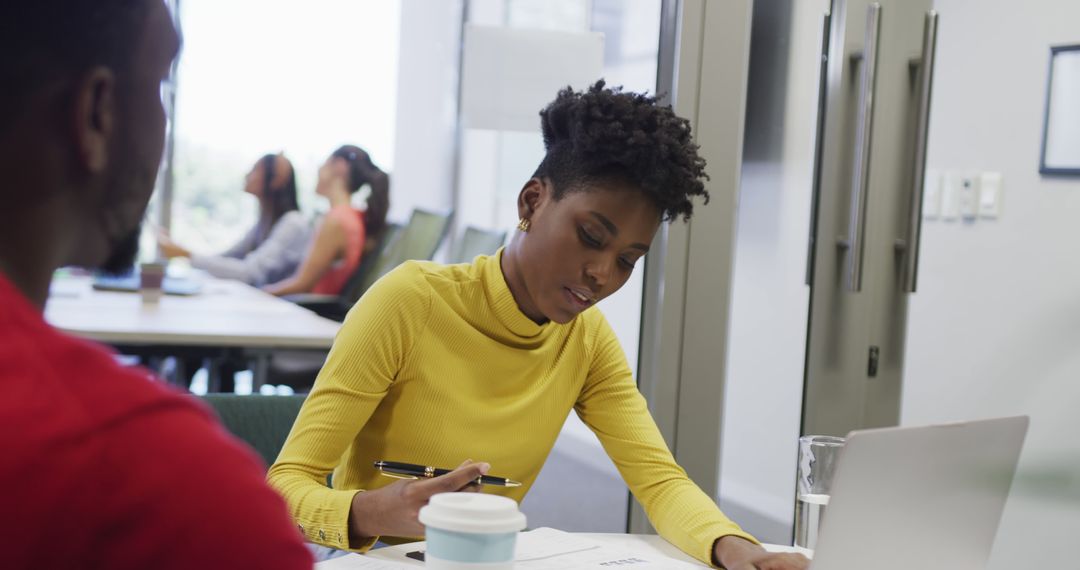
817,462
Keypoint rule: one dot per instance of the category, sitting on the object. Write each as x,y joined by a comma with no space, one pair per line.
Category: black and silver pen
411,471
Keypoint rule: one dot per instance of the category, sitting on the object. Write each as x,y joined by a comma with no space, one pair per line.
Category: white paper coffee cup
151,279
471,530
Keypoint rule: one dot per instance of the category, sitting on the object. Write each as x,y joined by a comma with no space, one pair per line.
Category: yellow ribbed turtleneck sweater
436,364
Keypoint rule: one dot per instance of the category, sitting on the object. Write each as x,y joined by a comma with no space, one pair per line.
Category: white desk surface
226,313
643,544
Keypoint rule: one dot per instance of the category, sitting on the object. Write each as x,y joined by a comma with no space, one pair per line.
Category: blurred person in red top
102,466
344,234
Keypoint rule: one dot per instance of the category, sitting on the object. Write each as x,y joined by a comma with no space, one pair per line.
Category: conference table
225,319
650,551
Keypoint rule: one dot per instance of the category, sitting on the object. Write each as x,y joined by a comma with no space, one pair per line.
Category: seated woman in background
274,248
339,241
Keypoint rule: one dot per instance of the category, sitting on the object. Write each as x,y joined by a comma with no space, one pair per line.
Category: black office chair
263,422
475,241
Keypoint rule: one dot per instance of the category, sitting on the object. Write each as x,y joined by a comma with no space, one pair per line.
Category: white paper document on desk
550,549
540,549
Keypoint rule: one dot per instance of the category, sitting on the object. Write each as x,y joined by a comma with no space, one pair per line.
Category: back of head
81,119
606,134
277,196
278,192
52,41
363,171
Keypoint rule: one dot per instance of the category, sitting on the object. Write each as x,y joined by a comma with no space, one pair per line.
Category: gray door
871,152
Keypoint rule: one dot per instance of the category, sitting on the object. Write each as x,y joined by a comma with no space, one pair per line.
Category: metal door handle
861,171
922,127
826,25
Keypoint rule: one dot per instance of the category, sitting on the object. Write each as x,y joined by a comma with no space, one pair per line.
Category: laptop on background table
130,284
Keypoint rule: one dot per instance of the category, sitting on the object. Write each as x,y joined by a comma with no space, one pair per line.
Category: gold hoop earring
524,224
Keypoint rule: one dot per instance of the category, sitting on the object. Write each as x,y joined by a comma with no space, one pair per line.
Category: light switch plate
990,195
969,196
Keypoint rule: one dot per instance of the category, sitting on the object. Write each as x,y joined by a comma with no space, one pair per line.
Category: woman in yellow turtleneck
437,364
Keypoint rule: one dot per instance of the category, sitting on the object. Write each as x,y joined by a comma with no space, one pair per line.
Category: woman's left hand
738,554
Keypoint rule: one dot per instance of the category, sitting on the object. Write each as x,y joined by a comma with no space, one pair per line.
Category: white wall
426,107
995,326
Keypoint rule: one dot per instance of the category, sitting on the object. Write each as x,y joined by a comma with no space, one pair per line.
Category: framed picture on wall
1061,123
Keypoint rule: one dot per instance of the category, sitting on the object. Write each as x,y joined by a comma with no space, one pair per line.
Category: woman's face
581,248
255,181
332,171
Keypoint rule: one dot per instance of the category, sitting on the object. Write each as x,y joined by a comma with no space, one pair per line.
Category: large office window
258,77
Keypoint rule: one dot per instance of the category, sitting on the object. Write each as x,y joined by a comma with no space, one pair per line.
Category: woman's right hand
168,247
394,510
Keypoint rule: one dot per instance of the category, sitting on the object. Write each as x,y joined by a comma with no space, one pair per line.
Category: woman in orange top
339,242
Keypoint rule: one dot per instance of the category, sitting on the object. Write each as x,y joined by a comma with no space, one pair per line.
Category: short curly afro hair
604,134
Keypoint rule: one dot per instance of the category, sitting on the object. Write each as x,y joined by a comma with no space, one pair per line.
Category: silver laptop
920,497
